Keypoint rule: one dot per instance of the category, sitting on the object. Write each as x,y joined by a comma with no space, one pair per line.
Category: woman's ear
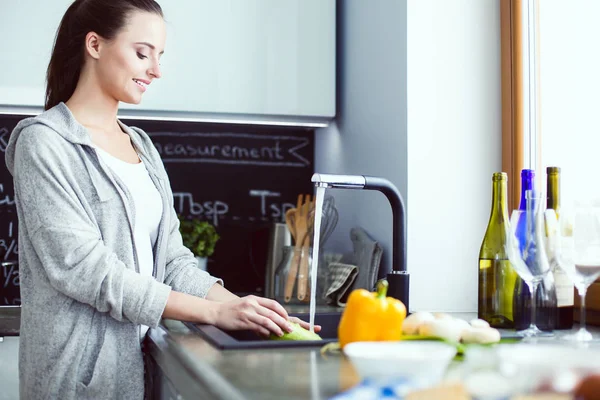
92,44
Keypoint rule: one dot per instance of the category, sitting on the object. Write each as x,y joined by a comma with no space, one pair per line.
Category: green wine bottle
496,276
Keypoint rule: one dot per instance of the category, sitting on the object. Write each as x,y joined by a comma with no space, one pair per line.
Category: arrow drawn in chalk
4,134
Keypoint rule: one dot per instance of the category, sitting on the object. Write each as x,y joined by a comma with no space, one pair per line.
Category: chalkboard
240,178
9,248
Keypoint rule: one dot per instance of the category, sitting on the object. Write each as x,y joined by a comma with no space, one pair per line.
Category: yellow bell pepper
371,316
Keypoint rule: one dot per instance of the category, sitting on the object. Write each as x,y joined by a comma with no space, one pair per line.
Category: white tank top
148,209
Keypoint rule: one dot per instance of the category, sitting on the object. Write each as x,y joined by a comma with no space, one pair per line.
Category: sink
230,340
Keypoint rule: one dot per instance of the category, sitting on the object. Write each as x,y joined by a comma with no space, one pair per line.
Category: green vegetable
299,333
460,347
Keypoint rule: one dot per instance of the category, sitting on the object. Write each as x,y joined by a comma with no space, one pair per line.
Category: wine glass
526,248
578,254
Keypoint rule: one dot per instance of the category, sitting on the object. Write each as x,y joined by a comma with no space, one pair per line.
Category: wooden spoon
290,221
300,227
293,270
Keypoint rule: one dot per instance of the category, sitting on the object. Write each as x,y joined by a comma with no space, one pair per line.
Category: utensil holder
290,267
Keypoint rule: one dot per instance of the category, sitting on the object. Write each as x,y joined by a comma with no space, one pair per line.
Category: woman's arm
230,312
218,293
251,312
184,307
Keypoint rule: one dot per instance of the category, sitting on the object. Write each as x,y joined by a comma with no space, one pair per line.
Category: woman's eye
141,56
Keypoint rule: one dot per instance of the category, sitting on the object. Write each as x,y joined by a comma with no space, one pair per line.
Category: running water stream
319,196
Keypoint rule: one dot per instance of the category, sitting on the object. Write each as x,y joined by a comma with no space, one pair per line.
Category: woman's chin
131,99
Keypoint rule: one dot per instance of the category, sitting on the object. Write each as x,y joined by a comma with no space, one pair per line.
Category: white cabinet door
9,368
222,57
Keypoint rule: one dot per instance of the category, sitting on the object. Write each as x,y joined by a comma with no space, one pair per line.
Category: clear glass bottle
564,287
545,299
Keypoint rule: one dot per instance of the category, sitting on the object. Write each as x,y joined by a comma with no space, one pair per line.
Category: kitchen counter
196,369
10,321
290,373
193,368
199,370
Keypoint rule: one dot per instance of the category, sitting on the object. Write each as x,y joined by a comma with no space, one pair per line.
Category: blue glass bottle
545,299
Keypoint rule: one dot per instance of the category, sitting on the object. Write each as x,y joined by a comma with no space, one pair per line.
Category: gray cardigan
83,300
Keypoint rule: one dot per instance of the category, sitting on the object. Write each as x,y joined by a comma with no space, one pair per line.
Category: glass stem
582,292
533,289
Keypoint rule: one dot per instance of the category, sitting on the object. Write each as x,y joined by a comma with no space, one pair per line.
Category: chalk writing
10,275
4,134
5,200
10,293
226,151
275,210
184,204
9,247
232,148
217,210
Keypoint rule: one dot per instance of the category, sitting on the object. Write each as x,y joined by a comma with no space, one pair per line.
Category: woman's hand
258,314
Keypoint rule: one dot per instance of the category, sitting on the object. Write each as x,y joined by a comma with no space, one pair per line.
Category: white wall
446,56
24,52
454,142
368,136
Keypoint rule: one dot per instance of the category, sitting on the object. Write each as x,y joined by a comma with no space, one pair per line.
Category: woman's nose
155,71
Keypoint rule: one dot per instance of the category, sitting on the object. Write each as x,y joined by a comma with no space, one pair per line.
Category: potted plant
200,237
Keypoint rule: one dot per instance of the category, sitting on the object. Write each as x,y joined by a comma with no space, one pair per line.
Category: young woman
101,257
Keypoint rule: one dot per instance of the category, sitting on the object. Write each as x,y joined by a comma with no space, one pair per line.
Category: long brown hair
106,18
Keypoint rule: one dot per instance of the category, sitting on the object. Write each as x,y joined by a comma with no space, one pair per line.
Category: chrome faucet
398,277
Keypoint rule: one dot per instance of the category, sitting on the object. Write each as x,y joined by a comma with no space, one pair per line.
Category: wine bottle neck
527,184
499,200
553,188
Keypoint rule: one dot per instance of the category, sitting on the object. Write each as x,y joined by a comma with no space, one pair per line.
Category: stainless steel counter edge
192,378
10,321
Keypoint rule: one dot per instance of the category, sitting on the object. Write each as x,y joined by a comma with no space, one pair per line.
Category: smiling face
126,65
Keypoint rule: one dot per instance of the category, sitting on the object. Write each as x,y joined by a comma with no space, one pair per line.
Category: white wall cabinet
223,58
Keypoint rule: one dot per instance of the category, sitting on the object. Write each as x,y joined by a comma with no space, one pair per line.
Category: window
551,87
569,100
